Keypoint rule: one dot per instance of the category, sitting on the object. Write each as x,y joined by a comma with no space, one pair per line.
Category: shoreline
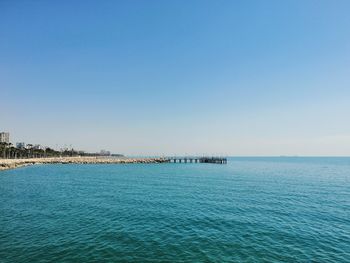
7,164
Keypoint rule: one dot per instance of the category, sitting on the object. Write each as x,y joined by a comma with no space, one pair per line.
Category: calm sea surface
250,210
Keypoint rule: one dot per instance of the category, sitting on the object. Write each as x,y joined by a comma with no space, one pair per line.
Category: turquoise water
250,210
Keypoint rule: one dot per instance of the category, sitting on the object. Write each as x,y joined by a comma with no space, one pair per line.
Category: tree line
9,151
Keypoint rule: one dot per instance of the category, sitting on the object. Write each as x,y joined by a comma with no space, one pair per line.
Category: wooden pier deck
216,160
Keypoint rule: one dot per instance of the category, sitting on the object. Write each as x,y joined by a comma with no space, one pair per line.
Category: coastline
7,164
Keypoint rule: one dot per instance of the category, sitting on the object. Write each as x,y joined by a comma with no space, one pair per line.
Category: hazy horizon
234,78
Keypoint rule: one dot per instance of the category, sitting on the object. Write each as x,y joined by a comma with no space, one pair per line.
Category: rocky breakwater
6,164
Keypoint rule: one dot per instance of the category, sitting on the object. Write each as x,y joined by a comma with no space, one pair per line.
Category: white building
5,137
38,147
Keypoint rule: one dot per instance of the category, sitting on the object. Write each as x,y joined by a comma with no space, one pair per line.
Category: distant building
5,137
105,153
20,145
38,147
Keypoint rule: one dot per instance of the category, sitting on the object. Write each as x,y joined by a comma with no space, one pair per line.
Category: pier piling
215,160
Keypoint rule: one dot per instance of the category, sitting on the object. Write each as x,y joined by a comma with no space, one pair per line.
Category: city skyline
187,77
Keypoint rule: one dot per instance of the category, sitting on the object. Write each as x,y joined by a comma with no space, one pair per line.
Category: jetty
6,164
216,160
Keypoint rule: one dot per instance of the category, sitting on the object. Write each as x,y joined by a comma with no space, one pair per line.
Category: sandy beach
6,164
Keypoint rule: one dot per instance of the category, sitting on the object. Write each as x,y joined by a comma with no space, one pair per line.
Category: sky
239,78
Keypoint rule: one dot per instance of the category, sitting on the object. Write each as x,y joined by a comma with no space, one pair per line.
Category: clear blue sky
178,77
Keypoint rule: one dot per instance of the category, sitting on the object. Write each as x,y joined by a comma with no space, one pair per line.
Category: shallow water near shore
250,210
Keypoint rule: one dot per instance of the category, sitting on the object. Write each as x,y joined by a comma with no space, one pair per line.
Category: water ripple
251,210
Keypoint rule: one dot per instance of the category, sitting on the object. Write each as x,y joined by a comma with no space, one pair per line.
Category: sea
252,209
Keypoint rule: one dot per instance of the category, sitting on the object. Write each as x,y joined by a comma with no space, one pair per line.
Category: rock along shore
6,164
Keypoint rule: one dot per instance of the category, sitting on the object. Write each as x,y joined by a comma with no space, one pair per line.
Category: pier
216,160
